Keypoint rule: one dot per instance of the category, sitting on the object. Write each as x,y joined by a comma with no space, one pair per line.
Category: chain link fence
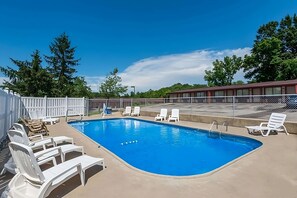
252,106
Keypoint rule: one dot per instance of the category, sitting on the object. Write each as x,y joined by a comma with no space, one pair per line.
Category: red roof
245,86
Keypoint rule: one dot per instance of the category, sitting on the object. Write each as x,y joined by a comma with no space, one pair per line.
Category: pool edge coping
160,175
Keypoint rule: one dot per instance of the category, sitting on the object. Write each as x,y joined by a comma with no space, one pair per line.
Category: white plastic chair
37,115
41,142
136,111
31,181
174,115
162,115
127,111
20,137
275,123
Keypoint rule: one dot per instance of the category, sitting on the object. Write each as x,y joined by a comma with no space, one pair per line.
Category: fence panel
9,112
53,107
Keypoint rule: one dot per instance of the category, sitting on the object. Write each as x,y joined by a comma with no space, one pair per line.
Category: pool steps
216,123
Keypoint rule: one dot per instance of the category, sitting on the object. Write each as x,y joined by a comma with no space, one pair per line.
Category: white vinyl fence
10,106
53,107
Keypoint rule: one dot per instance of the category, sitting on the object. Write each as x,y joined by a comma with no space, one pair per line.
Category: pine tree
62,65
30,79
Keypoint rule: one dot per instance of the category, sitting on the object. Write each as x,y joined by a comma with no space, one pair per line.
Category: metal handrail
226,123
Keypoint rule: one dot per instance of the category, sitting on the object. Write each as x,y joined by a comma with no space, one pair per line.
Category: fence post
45,106
66,104
233,106
84,105
131,102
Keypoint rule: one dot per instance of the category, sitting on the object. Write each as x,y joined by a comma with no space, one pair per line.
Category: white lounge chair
136,111
37,115
20,137
127,111
162,115
41,156
174,115
275,123
31,181
41,141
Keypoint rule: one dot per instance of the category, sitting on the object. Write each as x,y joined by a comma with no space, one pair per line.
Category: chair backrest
40,115
19,127
26,163
136,110
163,113
128,109
33,115
175,113
36,115
276,120
18,136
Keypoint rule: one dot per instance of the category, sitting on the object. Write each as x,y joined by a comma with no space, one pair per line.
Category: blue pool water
166,149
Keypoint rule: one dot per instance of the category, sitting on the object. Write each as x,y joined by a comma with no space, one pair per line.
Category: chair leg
285,130
82,177
3,171
265,135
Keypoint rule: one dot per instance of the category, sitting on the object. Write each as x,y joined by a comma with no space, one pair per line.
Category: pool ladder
216,123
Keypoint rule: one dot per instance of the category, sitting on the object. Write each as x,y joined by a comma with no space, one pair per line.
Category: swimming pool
166,149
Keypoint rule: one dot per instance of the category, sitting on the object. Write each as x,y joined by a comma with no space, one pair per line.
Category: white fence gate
53,107
10,106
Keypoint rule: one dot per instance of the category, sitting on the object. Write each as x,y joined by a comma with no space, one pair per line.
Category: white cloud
157,72
94,82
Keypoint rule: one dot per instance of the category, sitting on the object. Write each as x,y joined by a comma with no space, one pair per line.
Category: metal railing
249,106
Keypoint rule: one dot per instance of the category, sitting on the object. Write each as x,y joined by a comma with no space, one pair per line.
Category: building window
200,94
273,90
185,95
219,93
242,92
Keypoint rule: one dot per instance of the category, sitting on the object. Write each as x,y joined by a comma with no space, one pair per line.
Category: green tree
223,71
80,88
263,63
274,53
30,79
112,86
62,65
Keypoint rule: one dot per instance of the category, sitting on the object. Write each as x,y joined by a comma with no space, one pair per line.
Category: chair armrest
263,123
41,153
49,182
40,140
36,136
53,159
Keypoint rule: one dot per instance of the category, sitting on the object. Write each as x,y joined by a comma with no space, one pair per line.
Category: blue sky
153,43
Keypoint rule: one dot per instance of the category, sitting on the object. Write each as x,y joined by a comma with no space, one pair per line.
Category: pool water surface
166,149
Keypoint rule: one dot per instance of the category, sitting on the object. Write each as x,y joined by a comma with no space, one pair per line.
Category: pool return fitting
129,142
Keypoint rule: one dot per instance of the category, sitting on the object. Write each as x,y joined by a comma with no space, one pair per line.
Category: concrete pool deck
270,171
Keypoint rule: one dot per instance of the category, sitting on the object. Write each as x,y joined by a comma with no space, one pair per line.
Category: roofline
251,85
